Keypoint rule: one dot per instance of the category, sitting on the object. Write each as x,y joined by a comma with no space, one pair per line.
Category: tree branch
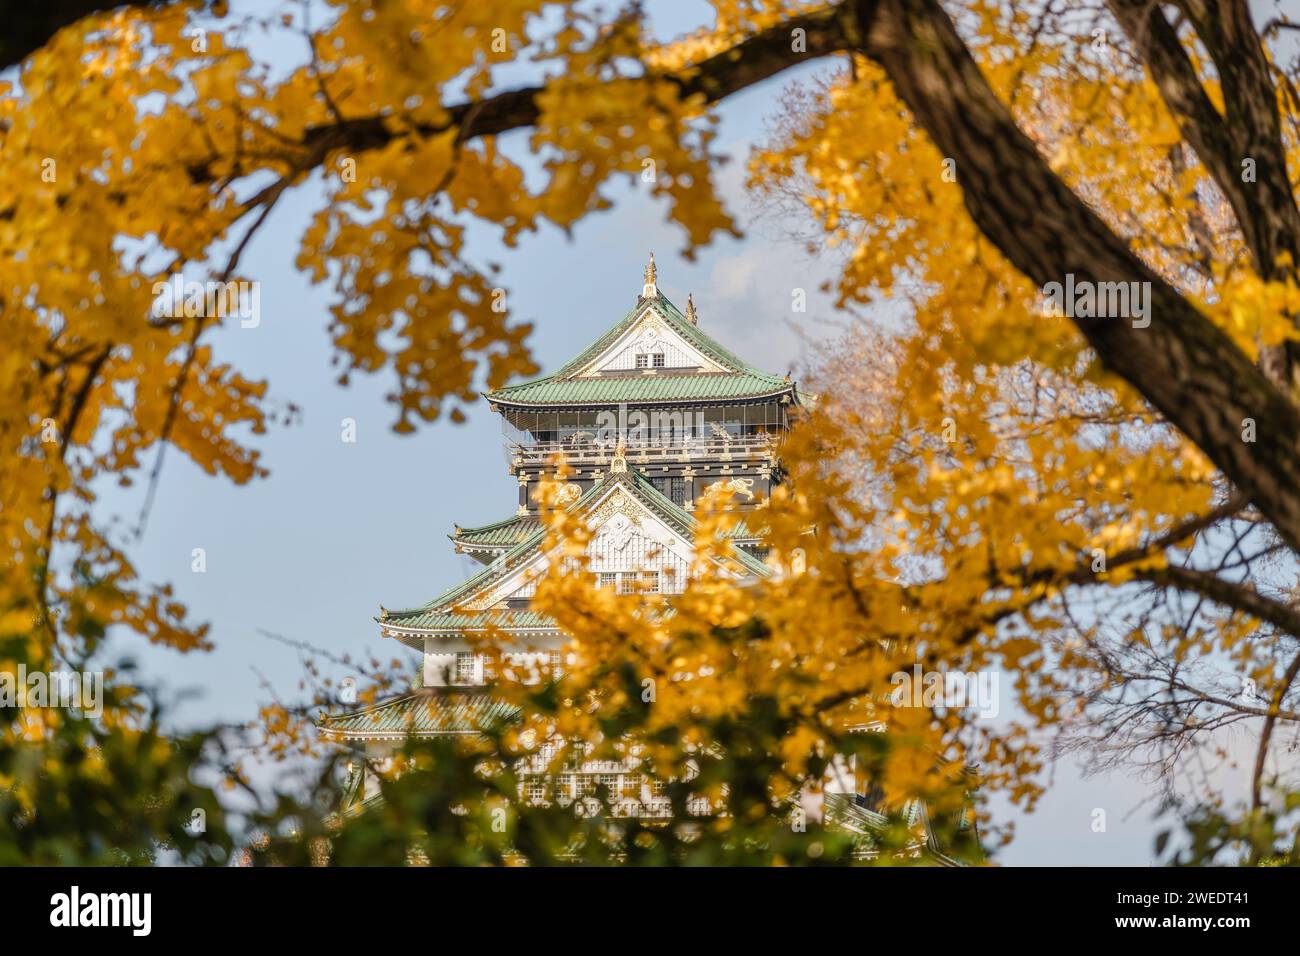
1183,364
1232,594
1266,735
749,62
1265,208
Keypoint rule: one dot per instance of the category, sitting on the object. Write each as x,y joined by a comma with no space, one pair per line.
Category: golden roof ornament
650,289
690,310
618,466
383,613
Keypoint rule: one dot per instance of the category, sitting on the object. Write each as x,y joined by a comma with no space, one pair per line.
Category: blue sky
337,529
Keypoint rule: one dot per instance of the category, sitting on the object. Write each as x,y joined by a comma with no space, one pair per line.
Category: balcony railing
582,449
661,808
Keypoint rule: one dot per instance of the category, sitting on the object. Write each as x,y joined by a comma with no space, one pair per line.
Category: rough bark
1182,363
1248,130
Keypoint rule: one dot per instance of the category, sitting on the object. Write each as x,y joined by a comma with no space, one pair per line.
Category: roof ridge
499,563
739,553
708,343
645,484
613,332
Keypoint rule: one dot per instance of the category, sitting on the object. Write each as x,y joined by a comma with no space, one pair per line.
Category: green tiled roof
454,713
561,388
682,521
468,620
507,533
500,534
658,387
499,565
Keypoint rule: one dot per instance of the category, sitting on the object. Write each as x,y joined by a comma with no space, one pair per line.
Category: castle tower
646,417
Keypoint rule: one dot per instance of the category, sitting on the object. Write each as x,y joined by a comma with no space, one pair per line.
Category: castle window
631,582
659,360
609,785
643,360
465,668
674,489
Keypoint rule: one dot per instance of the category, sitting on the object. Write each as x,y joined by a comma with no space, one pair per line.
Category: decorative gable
653,337
627,536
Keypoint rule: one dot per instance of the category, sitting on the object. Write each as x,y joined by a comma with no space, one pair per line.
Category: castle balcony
659,808
580,451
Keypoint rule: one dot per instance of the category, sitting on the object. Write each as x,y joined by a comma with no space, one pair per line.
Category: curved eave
469,544
407,634
420,714
743,540
495,399
392,734
411,638
396,630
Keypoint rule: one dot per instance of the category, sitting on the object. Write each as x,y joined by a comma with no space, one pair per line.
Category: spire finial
650,289
619,464
690,310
